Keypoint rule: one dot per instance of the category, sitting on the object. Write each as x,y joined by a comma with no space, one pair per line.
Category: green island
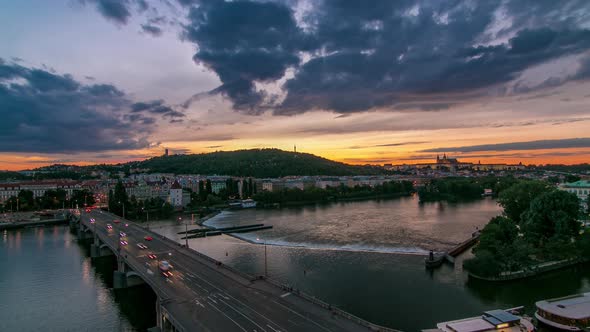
295,196
539,230
455,189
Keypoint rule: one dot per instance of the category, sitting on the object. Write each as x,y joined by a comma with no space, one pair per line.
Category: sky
108,81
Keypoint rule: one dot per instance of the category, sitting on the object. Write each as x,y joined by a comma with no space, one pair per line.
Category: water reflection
52,285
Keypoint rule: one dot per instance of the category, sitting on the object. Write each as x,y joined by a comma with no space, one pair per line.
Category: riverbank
332,200
33,223
534,270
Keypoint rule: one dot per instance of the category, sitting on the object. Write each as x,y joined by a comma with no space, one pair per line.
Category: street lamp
123,209
17,204
147,220
265,258
185,231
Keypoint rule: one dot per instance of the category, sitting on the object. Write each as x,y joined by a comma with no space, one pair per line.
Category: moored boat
493,320
569,313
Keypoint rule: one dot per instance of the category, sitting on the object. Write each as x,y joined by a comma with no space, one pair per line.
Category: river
365,257
48,283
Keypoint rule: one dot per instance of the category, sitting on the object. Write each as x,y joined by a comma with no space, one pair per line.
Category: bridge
203,294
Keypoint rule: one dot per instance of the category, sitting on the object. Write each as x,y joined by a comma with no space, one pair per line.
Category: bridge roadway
203,296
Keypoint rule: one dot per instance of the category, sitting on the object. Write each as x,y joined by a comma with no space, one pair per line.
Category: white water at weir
399,226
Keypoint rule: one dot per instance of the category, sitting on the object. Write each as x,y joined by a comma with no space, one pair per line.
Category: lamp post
265,259
147,220
123,209
185,231
17,205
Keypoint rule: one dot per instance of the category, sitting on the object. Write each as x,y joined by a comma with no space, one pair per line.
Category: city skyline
99,81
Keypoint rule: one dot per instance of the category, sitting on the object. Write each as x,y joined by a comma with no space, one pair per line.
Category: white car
142,246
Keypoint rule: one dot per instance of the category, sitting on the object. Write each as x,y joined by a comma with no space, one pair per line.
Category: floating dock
203,232
436,260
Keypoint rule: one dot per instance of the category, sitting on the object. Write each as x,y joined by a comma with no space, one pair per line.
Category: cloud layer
531,145
349,57
50,113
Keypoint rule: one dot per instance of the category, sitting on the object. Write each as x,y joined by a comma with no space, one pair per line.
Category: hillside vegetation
258,163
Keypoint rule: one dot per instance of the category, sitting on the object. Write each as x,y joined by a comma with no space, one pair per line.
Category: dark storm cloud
115,10
531,145
153,26
153,30
245,42
118,11
156,107
389,54
52,113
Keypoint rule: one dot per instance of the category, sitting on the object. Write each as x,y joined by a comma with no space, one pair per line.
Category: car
124,243
109,226
152,256
122,234
148,238
116,221
142,246
88,210
167,274
92,220
126,225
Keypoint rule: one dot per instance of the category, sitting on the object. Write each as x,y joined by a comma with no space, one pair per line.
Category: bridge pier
73,224
100,250
83,233
124,277
120,275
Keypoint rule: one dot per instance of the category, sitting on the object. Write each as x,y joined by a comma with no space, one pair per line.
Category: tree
251,187
119,199
572,178
84,196
553,216
208,187
202,191
517,199
26,200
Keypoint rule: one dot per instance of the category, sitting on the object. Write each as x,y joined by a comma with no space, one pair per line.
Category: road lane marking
300,315
228,317
241,313
272,328
199,303
242,303
286,294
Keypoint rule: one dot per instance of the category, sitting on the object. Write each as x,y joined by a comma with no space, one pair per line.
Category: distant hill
259,163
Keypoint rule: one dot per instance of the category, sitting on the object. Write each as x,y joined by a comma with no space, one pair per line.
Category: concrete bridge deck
203,295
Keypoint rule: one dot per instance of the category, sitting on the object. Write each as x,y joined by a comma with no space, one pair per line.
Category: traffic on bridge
196,293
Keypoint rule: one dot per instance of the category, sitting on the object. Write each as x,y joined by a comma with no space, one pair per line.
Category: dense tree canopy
547,228
552,216
517,199
258,163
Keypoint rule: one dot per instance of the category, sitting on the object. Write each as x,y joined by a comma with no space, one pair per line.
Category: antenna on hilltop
294,148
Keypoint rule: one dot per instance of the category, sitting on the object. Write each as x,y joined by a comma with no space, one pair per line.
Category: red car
148,238
116,221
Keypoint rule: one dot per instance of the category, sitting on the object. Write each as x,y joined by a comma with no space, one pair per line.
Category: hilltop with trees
258,163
